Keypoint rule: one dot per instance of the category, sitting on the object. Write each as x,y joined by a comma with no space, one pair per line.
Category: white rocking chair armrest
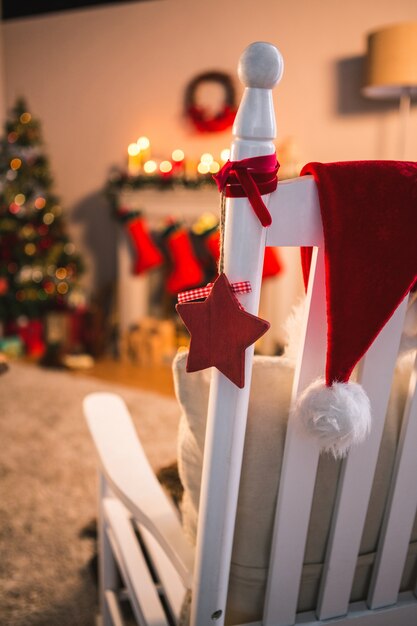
124,465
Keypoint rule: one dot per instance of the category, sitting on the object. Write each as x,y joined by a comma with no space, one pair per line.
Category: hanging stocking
31,333
186,271
272,263
147,253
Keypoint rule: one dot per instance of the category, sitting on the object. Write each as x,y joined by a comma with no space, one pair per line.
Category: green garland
120,181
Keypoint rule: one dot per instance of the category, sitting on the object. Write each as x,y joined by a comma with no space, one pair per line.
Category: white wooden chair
140,533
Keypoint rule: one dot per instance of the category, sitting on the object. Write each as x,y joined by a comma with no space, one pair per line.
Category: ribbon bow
251,178
242,286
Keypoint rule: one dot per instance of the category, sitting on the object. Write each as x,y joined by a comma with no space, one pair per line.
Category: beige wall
2,81
100,78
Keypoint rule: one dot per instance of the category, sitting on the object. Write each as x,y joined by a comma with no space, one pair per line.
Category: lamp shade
391,62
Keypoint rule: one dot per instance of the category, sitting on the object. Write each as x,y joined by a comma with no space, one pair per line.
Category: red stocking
147,254
272,263
31,333
186,271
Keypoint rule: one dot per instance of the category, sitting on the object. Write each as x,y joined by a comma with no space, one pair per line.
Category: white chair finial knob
261,65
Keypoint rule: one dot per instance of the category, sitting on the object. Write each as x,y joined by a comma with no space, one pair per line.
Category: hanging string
222,229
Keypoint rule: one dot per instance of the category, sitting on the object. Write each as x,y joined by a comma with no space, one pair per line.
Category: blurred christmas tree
39,267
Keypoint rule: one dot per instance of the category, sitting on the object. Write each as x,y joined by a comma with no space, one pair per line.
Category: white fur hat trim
337,417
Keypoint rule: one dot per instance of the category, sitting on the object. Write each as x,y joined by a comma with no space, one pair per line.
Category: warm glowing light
134,159
165,167
37,275
206,222
48,218
15,164
14,208
25,118
69,248
30,249
214,167
20,199
12,137
143,143
28,231
225,155
150,167
207,158
62,288
11,175
40,202
133,149
178,155
61,273
25,273
203,168
49,287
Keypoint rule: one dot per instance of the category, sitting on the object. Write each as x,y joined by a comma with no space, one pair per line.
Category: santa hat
369,215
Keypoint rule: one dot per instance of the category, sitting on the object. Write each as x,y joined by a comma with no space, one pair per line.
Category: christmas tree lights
39,266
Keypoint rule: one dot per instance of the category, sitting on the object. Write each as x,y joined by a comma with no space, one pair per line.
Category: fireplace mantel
187,205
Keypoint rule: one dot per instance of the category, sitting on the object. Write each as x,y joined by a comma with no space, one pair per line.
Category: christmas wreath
199,116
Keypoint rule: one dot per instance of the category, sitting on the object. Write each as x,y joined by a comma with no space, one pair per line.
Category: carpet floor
48,491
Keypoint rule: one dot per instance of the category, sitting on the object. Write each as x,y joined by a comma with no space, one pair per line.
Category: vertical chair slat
357,475
143,595
400,511
244,244
298,472
226,422
172,585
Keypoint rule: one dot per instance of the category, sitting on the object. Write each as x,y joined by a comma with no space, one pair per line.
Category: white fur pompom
337,416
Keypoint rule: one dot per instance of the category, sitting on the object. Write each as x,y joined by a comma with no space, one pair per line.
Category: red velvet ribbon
250,178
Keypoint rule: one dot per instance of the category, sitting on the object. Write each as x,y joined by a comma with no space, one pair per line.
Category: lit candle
144,146
190,169
178,158
165,167
134,160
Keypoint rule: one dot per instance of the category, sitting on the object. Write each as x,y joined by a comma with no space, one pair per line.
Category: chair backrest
296,221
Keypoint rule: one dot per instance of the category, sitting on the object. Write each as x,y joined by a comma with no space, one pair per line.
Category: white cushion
267,418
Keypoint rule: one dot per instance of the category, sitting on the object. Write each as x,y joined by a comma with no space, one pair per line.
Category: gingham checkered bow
243,286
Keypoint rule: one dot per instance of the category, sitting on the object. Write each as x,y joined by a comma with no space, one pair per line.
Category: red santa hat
369,215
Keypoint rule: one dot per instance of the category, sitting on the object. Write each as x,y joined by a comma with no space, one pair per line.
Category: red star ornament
220,332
